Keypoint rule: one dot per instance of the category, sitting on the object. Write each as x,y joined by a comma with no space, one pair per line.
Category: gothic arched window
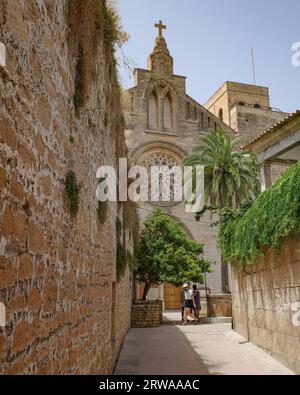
153,111
168,113
188,110
221,114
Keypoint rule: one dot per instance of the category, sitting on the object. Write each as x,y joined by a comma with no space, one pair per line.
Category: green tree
166,254
230,174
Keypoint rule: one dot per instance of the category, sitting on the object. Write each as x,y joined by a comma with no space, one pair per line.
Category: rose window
168,185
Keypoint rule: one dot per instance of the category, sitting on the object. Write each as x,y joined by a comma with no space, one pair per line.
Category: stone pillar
147,314
265,175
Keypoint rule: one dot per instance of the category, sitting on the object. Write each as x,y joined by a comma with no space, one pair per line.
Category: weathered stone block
66,297
25,268
36,238
269,318
219,305
16,189
8,134
2,179
20,336
146,314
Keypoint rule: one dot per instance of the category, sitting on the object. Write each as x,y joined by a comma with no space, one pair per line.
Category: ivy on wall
101,24
73,193
272,217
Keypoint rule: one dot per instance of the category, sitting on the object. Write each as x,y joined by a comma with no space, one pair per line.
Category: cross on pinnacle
160,28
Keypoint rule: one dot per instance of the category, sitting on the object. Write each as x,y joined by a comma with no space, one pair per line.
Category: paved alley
193,350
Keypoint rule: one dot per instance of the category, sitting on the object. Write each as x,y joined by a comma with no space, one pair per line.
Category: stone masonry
146,314
266,306
245,108
65,311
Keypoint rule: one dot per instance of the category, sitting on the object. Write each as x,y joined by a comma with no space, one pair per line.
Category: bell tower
160,61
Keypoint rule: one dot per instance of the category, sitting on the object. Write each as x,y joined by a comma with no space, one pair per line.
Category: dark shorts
189,305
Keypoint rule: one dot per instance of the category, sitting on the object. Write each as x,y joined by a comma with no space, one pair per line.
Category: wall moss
73,193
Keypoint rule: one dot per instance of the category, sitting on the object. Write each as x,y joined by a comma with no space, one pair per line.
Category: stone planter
146,314
219,306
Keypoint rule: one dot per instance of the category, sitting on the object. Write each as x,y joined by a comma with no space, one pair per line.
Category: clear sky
210,41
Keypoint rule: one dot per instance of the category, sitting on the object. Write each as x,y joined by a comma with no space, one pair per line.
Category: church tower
245,108
163,125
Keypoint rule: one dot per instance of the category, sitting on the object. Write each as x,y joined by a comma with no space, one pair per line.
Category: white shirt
188,294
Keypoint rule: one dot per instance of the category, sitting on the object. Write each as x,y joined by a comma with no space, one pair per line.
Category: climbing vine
94,25
272,217
73,193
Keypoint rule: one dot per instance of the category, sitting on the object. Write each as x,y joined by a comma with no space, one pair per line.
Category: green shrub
272,217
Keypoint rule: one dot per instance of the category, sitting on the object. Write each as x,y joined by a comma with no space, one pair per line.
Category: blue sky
210,41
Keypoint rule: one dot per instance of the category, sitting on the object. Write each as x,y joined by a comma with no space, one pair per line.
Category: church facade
164,124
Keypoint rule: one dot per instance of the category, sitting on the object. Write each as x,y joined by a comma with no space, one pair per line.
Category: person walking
189,304
197,300
182,295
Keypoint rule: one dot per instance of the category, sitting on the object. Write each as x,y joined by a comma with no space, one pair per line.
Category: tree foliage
272,217
231,175
166,254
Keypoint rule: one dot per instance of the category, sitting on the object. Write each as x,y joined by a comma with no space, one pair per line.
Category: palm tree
231,174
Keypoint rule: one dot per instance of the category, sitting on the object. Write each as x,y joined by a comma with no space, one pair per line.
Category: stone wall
249,122
65,311
266,304
219,306
146,314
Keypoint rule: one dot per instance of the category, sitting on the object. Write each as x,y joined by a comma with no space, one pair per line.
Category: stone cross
160,28
2,55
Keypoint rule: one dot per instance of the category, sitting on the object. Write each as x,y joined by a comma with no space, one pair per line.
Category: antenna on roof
253,65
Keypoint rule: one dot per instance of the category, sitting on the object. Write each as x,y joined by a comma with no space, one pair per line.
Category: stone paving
193,350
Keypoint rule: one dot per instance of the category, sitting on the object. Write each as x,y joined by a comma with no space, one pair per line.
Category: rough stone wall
146,314
277,169
263,301
219,306
57,275
249,122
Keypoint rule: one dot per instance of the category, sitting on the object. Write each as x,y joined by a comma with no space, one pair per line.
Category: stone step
216,320
203,320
